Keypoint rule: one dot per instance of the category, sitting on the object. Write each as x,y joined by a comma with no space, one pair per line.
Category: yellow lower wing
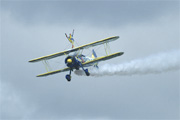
53,72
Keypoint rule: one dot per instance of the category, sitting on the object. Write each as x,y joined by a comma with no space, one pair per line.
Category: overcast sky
31,29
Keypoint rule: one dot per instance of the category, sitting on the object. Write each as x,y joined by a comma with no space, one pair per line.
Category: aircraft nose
69,60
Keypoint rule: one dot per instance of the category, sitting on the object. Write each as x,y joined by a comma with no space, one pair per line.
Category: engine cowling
72,62
69,61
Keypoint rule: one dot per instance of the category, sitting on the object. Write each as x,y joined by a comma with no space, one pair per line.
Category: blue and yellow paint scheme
77,60
88,63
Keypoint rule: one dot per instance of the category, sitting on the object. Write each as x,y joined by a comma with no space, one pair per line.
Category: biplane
78,60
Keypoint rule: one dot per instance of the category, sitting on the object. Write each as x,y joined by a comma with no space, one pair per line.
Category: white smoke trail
153,64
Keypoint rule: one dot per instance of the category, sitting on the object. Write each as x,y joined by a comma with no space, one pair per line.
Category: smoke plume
153,64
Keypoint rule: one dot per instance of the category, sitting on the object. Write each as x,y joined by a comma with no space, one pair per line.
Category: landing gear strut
85,70
68,76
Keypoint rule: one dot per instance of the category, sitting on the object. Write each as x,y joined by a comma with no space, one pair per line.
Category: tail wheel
68,77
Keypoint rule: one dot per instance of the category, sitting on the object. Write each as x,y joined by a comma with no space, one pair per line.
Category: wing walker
78,60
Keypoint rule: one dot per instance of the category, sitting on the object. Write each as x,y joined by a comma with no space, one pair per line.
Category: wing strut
47,66
107,48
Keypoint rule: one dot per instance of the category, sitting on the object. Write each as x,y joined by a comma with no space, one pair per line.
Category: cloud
104,14
34,29
12,104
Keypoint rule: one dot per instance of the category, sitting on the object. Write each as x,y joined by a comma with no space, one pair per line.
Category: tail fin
94,56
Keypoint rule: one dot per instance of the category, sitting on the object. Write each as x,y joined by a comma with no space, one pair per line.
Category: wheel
68,77
87,72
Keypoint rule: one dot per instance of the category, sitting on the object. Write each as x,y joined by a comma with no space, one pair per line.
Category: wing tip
31,61
121,53
43,75
34,60
39,75
115,37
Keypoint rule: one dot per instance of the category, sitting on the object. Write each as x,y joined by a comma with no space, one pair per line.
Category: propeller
69,61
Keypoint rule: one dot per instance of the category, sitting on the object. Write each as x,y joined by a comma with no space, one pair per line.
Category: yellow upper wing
75,49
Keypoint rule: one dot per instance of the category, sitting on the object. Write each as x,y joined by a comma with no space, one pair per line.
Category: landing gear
68,77
87,72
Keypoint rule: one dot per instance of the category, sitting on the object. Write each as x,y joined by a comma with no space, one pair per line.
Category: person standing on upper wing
70,38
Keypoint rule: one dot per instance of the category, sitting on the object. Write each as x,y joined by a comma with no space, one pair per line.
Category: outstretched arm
73,33
66,35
